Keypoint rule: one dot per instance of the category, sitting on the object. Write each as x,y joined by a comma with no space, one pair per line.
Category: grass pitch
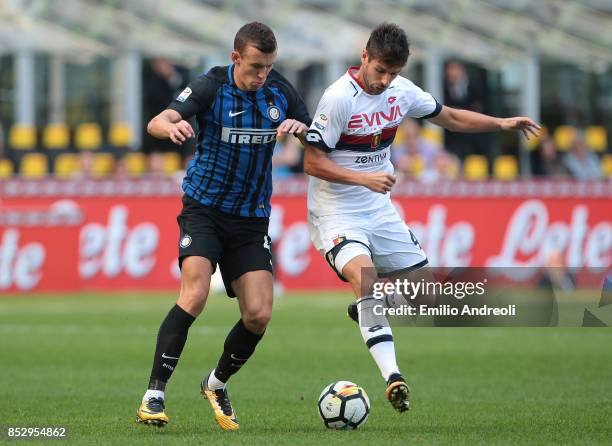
83,362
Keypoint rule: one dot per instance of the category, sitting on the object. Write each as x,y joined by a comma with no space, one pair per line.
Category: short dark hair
389,44
257,34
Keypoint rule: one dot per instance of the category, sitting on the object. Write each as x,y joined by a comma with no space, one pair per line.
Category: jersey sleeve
423,105
296,107
329,120
195,98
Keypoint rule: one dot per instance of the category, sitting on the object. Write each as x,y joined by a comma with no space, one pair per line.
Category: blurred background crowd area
79,80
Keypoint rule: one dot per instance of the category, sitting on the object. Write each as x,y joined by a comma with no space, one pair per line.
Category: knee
193,298
256,322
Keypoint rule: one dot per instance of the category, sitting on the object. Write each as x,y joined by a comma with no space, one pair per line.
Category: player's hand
180,131
525,125
380,182
291,126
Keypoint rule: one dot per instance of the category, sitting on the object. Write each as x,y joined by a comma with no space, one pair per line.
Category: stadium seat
22,137
34,165
103,165
172,163
6,168
135,163
88,136
596,138
505,167
475,167
606,165
564,137
120,135
432,134
66,165
56,136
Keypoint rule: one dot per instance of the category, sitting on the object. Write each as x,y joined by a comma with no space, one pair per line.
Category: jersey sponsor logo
377,117
274,113
367,159
185,241
247,136
232,114
184,95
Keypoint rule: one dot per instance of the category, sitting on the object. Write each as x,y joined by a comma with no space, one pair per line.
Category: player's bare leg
195,283
375,329
255,298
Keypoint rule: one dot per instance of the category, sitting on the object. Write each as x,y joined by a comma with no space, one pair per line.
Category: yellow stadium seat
22,137
34,165
606,165
432,134
564,137
88,136
172,163
596,138
135,163
505,167
6,168
120,135
56,136
475,167
103,165
66,165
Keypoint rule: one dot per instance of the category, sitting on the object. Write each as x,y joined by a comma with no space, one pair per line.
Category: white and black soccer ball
343,405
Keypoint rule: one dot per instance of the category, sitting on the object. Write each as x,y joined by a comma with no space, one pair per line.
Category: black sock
170,342
238,348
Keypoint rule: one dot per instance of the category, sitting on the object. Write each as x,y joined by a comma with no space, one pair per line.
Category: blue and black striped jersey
231,170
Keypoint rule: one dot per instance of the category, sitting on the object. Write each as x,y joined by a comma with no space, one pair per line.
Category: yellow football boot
152,412
221,406
398,392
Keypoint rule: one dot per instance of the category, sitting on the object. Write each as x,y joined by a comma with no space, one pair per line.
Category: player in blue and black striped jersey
240,110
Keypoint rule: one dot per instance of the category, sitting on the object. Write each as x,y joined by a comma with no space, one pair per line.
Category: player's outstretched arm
170,125
466,121
293,127
317,164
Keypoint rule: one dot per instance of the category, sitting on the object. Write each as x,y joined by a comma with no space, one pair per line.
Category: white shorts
382,235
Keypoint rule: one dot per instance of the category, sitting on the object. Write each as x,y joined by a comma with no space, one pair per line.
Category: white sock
153,394
214,383
377,335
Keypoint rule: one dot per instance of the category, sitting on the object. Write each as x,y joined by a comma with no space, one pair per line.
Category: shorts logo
339,239
266,243
184,95
185,241
273,113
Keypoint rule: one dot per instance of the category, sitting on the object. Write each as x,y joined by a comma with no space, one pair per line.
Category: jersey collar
351,73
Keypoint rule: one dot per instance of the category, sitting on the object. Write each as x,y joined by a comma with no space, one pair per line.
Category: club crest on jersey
185,241
339,239
274,113
375,140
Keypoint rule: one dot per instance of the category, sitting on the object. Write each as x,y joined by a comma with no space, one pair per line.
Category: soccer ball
343,405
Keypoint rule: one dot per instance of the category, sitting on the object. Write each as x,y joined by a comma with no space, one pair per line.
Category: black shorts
237,244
